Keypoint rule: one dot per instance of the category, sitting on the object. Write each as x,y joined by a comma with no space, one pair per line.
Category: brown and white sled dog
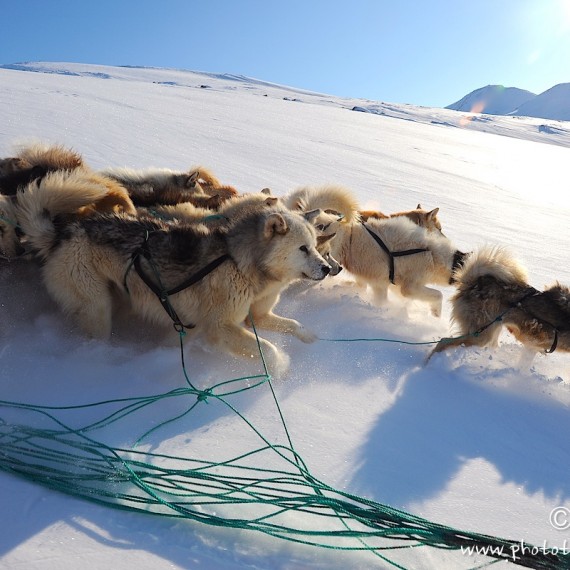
32,162
37,160
426,218
252,260
162,186
493,292
411,257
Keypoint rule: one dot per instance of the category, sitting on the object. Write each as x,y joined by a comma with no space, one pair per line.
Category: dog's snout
326,269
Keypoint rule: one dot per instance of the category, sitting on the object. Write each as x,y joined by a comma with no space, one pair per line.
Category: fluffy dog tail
58,193
330,197
51,157
492,261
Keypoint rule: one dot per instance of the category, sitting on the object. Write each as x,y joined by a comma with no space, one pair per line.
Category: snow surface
473,440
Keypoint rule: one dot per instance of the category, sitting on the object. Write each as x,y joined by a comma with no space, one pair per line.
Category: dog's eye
321,227
304,249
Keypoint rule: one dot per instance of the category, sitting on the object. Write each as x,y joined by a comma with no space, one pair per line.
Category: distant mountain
498,100
493,100
552,104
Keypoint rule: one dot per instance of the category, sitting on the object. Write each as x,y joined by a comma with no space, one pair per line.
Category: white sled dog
207,281
382,252
493,292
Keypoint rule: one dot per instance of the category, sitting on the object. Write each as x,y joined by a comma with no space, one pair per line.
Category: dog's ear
192,179
431,215
275,224
312,215
419,207
271,201
323,239
266,191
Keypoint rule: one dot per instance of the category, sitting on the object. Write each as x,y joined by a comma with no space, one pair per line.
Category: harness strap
518,304
392,254
162,293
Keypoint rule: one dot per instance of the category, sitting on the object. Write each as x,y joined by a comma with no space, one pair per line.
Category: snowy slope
471,440
493,100
552,104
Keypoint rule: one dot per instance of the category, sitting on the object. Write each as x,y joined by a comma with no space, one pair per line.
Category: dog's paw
279,365
306,335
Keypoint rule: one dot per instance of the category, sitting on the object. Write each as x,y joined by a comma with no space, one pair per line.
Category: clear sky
425,52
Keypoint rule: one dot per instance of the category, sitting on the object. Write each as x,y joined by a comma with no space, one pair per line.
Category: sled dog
233,209
33,162
382,252
162,186
493,292
251,261
425,218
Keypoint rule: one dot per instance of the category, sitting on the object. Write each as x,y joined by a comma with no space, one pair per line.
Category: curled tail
205,176
491,261
330,197
58,193
51,157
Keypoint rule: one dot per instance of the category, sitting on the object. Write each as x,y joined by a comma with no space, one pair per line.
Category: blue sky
425,52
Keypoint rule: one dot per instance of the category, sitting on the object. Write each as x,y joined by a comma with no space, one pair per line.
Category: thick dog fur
33,162
10,246
236,208
85,259
161,186
425,218
493,285
356,250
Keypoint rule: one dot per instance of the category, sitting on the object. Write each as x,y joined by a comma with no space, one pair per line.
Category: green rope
233,493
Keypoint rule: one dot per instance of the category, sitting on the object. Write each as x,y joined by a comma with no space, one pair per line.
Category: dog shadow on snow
440,421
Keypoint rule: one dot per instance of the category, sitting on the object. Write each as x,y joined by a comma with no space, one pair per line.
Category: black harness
392,254
162,293
518,305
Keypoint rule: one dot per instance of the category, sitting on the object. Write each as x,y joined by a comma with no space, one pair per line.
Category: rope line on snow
242,492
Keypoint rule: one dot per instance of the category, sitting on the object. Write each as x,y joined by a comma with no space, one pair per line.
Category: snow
552,104
474,439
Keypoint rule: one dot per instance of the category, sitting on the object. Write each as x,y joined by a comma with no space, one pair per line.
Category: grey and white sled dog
493,292
164,267
382,252
234,208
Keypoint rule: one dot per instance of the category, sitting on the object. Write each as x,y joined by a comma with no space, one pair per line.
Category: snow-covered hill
492,100
553,104
473,440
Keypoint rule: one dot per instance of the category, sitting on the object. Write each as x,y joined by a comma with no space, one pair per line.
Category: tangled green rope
235,493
